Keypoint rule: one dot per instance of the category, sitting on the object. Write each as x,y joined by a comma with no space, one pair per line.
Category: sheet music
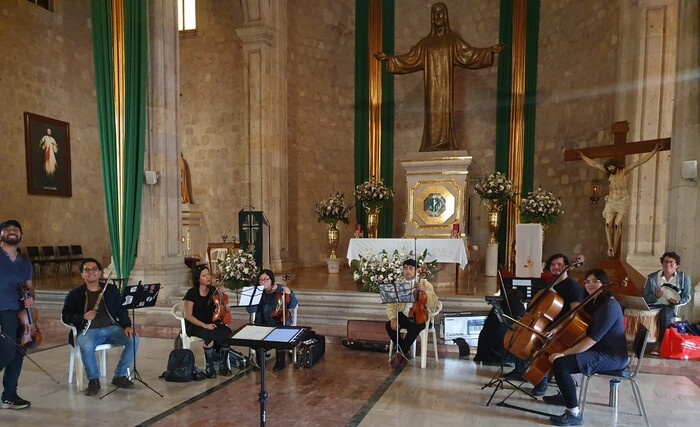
403,292
283,335
253,332
251,295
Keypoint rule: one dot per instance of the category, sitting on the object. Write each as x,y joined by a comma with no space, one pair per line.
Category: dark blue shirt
12,275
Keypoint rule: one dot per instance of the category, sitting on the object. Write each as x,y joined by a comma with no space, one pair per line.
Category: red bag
681,347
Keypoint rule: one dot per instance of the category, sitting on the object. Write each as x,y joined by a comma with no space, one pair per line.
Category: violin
529,330
281,313
566,334
419,310
31,336
221,311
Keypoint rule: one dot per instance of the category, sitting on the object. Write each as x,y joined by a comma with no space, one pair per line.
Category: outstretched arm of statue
381,56
498,48
645,158
590,162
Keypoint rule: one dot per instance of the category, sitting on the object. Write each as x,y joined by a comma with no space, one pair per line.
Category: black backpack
180,366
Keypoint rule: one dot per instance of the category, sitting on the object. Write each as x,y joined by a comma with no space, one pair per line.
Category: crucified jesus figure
617,203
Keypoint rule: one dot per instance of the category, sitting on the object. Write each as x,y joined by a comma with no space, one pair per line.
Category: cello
31,336
565,334
529,330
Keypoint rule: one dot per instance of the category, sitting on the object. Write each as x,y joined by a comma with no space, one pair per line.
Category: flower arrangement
333,209
495,187
540,207
238,269
387,268
373,194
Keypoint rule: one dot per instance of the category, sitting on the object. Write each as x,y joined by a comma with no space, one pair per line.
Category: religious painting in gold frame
47,149
434,204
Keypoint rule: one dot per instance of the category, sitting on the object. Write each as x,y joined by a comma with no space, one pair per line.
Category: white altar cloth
442,250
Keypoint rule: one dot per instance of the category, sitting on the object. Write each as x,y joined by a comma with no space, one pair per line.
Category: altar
450,251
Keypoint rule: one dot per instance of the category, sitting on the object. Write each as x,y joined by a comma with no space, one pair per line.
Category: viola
281,313
528,332
419,310
31,336
221,311
565,334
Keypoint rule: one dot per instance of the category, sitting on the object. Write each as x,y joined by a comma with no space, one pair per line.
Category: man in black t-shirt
572,294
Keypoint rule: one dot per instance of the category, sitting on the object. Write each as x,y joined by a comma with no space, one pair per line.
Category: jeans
11,357
412,331
110,335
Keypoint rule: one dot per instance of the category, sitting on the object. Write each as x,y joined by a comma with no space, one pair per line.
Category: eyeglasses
669,262
264,279
591,282
90,270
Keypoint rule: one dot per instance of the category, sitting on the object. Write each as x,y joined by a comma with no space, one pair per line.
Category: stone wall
321,69
47,69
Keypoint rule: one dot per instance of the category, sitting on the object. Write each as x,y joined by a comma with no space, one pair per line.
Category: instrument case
310,351
367,335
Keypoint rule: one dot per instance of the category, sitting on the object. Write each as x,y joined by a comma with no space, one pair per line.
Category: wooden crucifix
617,202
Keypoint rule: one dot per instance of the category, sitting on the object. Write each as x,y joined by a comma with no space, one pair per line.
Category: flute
97,305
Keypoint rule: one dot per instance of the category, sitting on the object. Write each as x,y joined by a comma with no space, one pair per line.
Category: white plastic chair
76,362
177,312
424,336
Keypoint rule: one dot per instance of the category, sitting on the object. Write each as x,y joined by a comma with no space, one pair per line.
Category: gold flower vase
333,239
493,208
372,220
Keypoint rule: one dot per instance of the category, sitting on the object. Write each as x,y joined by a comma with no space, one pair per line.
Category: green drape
124,231
362,57
504,99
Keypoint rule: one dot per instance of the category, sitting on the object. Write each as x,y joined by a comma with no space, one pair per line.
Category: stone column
264,38
159,258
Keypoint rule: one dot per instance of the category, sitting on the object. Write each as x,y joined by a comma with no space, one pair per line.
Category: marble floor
346,388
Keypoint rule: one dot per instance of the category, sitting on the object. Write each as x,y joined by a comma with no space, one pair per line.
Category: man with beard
617,203
15,271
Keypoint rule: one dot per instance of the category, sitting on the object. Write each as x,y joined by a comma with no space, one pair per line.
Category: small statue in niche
185,181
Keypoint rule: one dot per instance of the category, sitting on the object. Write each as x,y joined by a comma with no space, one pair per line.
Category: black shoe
210,372
279,366
557,400
93,388
224,370
16,403
567,419
122,382
539,390
514,375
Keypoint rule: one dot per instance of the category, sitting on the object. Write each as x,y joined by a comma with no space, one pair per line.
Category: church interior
271,106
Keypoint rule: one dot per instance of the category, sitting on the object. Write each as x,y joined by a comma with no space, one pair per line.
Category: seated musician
490,350
669,275
273,311
95,309
572,295
397,318
604,348
199,320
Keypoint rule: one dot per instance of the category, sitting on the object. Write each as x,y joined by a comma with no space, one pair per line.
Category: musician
99,320
490,349
270,311
199,314
15,270
669,275
571,293
397,318
602,349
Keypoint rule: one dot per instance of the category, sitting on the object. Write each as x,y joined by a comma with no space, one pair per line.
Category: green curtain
504,99
362,107
124,239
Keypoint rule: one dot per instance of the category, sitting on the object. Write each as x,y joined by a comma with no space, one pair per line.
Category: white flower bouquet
387,268
373,194
333,209
540,207
495,187
238,269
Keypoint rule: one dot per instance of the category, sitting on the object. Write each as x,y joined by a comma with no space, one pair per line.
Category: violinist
14,270
413,326
199,311
273,310
672,276
602,349
571,293
95,309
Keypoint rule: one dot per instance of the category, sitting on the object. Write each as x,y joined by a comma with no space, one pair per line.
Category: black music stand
138,296
264,338
397,293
